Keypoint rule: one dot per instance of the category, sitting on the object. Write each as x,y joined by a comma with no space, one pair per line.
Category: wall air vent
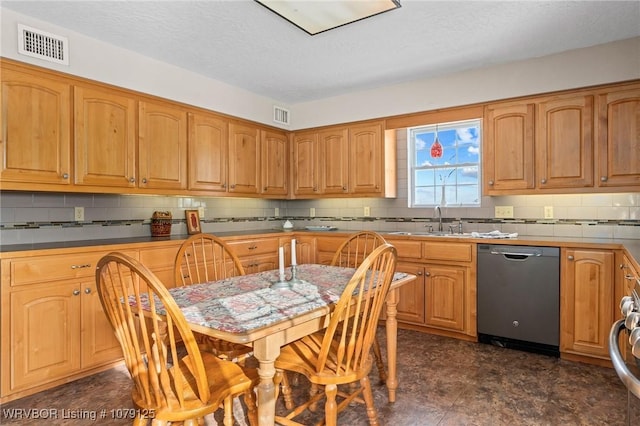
43,45
280,115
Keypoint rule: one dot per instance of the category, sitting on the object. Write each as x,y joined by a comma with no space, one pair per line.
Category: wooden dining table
248,309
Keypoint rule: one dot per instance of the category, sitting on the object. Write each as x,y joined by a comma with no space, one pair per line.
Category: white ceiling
243,44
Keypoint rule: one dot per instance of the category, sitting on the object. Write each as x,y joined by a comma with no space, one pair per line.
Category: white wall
96,60
607,63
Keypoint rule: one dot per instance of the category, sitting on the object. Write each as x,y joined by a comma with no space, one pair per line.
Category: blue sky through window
456,172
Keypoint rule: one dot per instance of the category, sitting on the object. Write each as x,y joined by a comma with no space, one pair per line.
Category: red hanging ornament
436,146
436,149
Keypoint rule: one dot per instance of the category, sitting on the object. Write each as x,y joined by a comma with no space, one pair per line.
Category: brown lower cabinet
53,329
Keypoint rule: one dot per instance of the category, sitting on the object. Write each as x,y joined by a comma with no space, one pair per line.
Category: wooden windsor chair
202,258
351,254
172,380
341,353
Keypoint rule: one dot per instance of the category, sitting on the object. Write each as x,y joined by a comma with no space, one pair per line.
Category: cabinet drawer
254,247
448,251
408,249
35,270
159,257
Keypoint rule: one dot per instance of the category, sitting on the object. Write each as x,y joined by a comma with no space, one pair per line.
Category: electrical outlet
312,212
548,212
78,214
201,212
504,212
367,211
276,212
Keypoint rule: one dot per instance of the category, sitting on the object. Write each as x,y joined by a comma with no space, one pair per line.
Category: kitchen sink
430,234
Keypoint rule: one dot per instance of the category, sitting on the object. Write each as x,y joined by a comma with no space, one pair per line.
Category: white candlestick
281,261
293,252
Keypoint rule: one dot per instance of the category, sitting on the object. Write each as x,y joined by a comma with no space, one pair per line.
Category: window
444,164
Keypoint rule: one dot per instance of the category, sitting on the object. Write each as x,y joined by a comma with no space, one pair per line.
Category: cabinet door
564,143
445,296
305,249
275,162
162,146
619,138
366,161
244,159
333,157
99,343
35,143
411,301
508,147
105,139
45,334
305,163
586,302
208,143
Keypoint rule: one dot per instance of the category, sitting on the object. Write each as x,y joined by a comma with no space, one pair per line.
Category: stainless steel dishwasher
519,297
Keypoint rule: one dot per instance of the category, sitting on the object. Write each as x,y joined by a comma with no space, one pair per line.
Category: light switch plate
201,212
312,212
367,211
276,213
504,212
548,212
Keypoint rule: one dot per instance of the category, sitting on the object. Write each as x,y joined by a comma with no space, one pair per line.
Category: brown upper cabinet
208,147
343,160
274,166
580,141
35,143
105,137
619,137
162,145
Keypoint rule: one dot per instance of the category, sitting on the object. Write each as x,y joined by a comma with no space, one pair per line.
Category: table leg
392,342
266,351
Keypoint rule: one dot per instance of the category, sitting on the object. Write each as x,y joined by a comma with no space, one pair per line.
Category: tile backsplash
32,217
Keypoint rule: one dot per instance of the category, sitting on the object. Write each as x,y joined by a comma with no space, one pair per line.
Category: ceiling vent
280,115
43,45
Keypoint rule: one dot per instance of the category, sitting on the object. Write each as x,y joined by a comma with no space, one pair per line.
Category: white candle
293,252
281,261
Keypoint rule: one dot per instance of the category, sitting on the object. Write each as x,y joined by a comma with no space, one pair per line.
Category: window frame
442,126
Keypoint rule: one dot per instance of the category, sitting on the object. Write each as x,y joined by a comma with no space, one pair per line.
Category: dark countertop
632,246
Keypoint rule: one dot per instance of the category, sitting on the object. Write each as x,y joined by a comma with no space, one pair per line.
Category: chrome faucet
438,211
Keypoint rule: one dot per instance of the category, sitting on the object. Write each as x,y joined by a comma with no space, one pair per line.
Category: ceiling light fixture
317,16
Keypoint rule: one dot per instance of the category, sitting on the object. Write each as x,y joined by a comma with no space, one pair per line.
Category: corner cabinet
619,138
35,143
586,302
343,161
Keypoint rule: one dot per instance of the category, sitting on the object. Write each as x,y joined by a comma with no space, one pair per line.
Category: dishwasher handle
516,255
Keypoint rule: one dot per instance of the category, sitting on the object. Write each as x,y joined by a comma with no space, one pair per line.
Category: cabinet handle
86,265
87,290
265,188
543,181
224,185
76,292
344,187
232,186
144,180
132,179
491,183
419,273
570,257
65,176
603,178
315,189
253,247
427,274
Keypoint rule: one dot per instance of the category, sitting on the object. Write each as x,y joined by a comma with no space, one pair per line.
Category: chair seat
301,356
222,348
223,376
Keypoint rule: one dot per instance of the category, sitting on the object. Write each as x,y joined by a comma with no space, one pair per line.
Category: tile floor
443,381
